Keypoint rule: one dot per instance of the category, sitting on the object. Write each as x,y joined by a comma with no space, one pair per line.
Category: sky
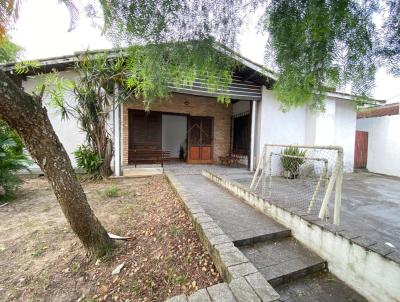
42,30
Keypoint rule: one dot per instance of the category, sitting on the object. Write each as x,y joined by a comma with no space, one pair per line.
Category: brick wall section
195,106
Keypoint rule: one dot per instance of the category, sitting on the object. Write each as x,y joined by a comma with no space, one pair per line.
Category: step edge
298,274
262,238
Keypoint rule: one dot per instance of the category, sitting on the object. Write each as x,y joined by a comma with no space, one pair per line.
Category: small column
117,136
252,135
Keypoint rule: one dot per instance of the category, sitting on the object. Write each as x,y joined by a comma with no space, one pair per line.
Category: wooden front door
361,150
200,140
145,131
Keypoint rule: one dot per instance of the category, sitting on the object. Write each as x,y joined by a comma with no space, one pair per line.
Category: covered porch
193,123
192,128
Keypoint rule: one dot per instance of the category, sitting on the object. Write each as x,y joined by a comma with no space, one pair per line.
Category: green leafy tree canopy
175,41
316,45
322,45
8,51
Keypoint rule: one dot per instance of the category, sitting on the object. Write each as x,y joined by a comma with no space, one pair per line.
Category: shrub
292,161
88,160
12,160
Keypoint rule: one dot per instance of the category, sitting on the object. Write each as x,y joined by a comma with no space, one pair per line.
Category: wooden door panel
194,153
200,139
206,133
195,131
206,153
361,150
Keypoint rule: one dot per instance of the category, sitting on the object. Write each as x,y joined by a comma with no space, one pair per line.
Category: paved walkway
236,219
285,263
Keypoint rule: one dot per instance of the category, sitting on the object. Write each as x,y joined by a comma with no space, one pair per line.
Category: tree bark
105,168
26,114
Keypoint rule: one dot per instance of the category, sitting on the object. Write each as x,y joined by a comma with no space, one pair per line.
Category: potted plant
292,158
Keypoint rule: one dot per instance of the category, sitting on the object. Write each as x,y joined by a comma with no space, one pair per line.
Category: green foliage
160,21
151,68
319,46
90,106
390,50
8,51
292,158
24,67
55,88
12,160
175,42
173,278
89,160
112,192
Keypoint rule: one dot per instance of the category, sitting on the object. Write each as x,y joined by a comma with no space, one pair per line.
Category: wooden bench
136,156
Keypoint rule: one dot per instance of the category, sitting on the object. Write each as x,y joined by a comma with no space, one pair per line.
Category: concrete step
149,170
317,287
260,236
283,260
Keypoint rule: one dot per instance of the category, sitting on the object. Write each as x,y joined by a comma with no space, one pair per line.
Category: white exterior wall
345,134
277,127
67,130
335,126
383,143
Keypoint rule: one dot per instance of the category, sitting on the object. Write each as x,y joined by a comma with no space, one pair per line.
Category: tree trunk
105,168
28,117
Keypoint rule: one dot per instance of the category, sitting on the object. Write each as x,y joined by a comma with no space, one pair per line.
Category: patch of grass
36,254
149,282
180,279
74,267
175,230
135,287
171,277
109,252
188,259
112,192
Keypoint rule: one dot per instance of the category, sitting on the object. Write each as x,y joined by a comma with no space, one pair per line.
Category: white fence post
338,194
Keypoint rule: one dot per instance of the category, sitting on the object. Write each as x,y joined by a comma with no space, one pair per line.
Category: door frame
200,161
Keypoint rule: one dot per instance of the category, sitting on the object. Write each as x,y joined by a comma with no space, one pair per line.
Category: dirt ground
42,260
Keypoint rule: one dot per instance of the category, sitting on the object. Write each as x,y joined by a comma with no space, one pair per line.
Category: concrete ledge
362,264
230,262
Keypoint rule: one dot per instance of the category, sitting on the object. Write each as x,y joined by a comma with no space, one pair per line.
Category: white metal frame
335,180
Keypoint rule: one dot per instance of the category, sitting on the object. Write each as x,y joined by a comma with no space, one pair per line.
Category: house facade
192,122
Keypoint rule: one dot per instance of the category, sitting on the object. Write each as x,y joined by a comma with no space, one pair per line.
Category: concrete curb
365,266
243,282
